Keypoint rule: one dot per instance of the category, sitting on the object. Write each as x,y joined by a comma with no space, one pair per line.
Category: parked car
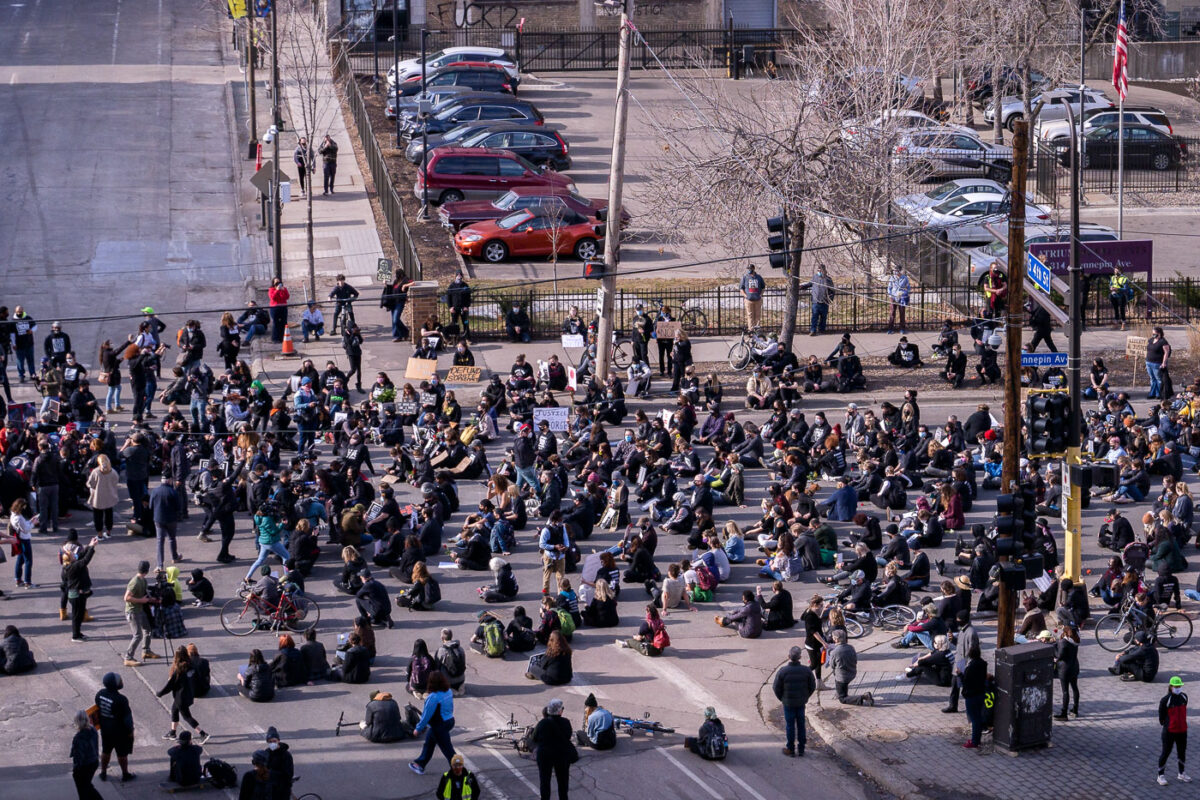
501,108
532,232
1012,108
1145,146
1058,131
541,146
898,120
962,219
938,151
912,203
981,258
466,212
450,55
437,98
982,88
460,173
853,93
452,136
481,77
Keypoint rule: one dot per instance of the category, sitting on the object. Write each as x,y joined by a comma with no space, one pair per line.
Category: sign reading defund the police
1043,359
557,417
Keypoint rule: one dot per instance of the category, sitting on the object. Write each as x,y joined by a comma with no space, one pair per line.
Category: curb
844,747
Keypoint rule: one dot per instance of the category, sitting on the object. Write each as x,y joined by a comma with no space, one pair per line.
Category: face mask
1176,690
273,745
629,438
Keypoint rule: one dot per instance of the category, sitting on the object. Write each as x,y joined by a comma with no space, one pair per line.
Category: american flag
1120,76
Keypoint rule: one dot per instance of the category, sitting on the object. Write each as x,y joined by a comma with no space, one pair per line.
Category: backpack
566,623
661,640
715,746
705,579
493,640
454,664
221,774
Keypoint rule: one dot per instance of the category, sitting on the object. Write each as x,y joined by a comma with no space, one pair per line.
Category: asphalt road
118,169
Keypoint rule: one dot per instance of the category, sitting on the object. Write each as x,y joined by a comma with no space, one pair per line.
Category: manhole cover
887,735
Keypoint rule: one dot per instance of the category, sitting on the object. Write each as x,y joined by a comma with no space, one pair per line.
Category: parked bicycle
690,316
1172,629
858,623
645,724
512,734
753,348
247,613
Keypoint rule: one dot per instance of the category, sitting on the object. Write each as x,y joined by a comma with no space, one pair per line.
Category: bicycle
752,347
693,320
888,618
1114,632
343,310
645,724
247,613
511,733
621,354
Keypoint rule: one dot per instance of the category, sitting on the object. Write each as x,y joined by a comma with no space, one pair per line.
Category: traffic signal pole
1011,470
1073,537
616,181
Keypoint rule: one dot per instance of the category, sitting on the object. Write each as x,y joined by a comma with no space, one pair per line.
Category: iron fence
389,201
1050,176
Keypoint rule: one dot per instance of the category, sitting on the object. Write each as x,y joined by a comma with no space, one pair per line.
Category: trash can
1024,696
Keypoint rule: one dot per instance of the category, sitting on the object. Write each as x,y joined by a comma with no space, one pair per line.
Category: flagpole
1120,167
1120,80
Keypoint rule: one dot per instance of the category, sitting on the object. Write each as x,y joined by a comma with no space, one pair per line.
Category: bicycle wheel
305,614
622,353
1173,630
896,617
694,321
854,628
739,356
239,617
1113,633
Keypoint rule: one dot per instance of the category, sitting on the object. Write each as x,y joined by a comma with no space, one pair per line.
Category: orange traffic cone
288,348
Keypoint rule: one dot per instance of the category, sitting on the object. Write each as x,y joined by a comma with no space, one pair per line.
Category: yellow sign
463,375
237,9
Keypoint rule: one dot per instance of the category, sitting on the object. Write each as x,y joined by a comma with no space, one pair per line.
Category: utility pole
394,88
1073,538
422,105
1006,613
277,199
251,57
616,180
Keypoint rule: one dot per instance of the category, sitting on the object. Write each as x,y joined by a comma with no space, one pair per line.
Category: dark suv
539,146
502,108
458,173
481,78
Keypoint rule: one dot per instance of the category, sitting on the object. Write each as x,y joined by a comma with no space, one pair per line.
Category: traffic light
594,270
777,240
1047,415
1010,524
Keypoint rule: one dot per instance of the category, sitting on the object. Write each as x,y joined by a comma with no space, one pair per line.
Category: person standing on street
642,332
995,291
394,298
164,503
116,725
278,295
328,151
457,783
352,344
85,757
46,472
794,684
136,614
79,585
438,717
1158,351
898,289
57,345
843,665
974,687
1119,293
822,290
752,286
458,297
23,328
968,637
1172,716
103,484
20,536
302,157
554,541
1066,666
555,750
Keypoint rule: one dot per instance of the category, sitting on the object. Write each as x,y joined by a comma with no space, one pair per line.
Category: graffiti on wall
466,14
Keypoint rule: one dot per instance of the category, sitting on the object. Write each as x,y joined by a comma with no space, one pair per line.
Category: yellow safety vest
466,788
1117,284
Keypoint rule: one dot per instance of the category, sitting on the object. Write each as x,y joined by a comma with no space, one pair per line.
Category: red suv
472,173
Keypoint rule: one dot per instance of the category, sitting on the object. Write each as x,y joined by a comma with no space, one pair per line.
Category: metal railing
389,200
1049,174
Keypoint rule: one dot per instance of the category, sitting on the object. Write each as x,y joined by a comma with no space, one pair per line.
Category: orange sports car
532,232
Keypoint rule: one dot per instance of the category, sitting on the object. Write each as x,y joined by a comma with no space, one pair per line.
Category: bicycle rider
267,589
344,294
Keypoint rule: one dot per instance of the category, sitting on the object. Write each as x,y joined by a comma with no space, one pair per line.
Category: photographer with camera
268,522
137,602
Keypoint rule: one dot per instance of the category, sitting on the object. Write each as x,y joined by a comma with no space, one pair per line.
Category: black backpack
221,774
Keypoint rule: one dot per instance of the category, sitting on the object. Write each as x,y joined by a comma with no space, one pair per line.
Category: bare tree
555,214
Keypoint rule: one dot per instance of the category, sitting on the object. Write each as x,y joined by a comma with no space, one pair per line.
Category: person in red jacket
1172,715
279,296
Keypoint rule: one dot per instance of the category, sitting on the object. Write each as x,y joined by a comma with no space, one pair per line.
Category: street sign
1038,272
1043,359
383,270
1131,255
261,180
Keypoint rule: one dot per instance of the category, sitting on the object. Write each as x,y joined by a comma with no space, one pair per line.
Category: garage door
751,13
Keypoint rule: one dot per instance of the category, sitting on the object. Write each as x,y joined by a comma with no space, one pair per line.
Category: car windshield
506,200
942,192
514,219
951,205
996,248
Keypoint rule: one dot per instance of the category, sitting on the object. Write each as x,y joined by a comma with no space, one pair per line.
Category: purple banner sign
1136,255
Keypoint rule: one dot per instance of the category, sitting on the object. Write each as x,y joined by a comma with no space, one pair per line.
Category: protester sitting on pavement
925,630
15,655
601,610
256,681
843,503
553,667
185,768
747,619
599,732
777,609
1139,661
355,666
905,355
955,371
710,743
519,635
382,722
452,661
288,665
425,591
651,638
938,663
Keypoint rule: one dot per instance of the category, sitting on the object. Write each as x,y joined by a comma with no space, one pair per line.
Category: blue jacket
164,502
445,700
842,504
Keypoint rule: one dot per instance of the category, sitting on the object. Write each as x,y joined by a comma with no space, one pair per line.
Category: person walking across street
85,757
302,157
179,686
821,290
438,718
1039,321
116,725
555,750
352,344
328,151
278,295
794,684
1172,716
1158,351
164,503
752,287
843,665
898,289
136,614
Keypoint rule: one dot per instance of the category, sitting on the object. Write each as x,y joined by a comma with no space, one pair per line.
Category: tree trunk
787,331
308,229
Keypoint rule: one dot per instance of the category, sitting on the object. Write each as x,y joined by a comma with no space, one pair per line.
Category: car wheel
451,196
1011,122
1161,161
586,249
495,251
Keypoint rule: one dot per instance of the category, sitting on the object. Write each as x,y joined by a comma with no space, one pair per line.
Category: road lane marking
693,690
116,29
689,773
739,781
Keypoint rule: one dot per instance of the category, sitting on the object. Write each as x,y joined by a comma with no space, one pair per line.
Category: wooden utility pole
1010,473
251,57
